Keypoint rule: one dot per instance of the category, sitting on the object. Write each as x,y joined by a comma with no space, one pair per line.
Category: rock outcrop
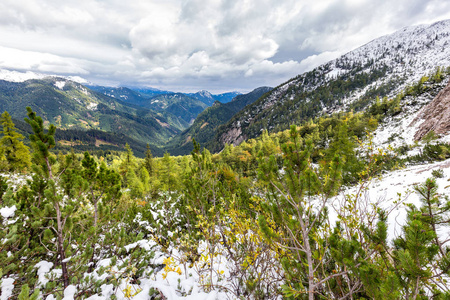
435,116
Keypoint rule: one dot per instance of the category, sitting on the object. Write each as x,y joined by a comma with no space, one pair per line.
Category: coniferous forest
255,221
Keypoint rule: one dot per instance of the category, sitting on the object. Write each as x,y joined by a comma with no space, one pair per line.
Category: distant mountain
209,99
121,93
382,67
205,125
129,95
226,97
186,107
150,92
203,96
178,104
138,96
70,105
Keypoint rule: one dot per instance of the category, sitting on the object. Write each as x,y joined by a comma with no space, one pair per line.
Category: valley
333,184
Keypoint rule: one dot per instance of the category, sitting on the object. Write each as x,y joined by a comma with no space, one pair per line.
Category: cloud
38,62
195,44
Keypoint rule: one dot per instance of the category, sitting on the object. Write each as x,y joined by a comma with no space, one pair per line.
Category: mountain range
169,121
113,116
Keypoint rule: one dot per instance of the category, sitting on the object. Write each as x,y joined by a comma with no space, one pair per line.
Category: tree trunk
50,175
305,237
95,201
62,256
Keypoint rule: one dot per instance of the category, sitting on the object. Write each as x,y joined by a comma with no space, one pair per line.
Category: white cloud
39,62
195,44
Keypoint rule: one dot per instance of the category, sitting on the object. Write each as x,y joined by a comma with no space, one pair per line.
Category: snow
60,84
335,72
412,52
178,281
393,191
69,292
84,90
92,106
43,267
6,288
7,212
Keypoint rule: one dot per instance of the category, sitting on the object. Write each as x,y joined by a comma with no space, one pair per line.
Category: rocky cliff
435,116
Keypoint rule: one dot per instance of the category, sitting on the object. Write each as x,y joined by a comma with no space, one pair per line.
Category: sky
191,45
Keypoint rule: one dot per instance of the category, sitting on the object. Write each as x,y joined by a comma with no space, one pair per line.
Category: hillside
179,105
186,106
207,122
209,99
124,94
382,67
70,105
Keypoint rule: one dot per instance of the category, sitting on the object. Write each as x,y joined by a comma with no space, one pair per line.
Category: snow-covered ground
394,190
177,279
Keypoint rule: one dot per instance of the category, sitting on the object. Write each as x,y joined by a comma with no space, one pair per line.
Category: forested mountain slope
70,105
382,67
207,122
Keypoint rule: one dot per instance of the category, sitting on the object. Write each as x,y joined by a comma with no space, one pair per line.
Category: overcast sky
188,45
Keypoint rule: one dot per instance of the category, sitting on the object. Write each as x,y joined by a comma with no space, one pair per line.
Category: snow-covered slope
382,67
403,128
410,52
392,192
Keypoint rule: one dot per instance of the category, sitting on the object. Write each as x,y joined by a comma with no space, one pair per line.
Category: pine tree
296,198
435,212
41,142
16,153
414,253
344,146
148,161
127,164
103,183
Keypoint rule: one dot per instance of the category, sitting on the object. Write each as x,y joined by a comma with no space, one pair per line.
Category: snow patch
92,106
7,288
8,212
60,84
393,191
69,292
44,268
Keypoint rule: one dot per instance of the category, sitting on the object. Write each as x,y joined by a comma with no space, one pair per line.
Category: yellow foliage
170,267
128,292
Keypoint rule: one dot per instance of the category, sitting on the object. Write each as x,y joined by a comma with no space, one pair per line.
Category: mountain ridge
68,104
205,125
382,67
